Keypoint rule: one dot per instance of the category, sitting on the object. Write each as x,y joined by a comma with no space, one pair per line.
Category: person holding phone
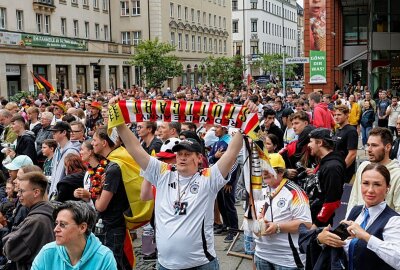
373,228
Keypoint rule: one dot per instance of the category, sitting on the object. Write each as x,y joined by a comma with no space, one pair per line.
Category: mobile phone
341,231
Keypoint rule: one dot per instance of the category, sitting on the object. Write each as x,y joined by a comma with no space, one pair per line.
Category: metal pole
284,51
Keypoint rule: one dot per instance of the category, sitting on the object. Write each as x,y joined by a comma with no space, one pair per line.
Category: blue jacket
222,145
367,118
95,256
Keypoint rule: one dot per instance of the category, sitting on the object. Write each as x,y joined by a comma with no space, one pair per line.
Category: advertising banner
33,40
317,41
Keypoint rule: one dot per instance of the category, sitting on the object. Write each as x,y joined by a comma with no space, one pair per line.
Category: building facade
300,31
197,29
264,27
87,44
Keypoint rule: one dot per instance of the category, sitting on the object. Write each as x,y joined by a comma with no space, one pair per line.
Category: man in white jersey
281,211
184,208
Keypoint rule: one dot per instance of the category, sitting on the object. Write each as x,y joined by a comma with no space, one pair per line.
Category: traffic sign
297,60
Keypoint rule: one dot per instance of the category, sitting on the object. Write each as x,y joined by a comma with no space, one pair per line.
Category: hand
81,193
291,173
356,231
251,106
330,239
227,188
219,154
310,171
271,228
113,100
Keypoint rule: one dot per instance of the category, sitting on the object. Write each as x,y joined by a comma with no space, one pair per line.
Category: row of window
219,2
133,9
268,28
196,16
270,7
85,4
198,44
271,48
133,37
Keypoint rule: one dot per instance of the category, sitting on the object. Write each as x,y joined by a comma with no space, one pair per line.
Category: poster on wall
317,41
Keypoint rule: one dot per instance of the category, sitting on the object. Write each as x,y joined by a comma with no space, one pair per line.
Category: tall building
263,27
198,29
87,44
350,41
300,31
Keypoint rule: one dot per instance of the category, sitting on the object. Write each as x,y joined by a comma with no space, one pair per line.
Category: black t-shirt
113,216
347,139
155,145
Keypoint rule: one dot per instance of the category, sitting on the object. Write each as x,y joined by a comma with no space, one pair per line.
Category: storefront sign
13,70
8,38
317,41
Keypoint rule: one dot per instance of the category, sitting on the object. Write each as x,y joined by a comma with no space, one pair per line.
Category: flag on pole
39,85
49,88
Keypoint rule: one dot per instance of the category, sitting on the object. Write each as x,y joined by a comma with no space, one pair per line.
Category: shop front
13,73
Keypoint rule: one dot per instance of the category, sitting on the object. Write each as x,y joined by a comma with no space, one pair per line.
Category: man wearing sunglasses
23,244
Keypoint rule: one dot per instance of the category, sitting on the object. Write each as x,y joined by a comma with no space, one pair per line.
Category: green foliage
20,95
156,61
272,64
227,70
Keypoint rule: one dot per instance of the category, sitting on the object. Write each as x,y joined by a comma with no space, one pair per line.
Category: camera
301,170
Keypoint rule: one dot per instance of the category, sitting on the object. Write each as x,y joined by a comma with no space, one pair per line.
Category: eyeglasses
22,191
76,131
62,224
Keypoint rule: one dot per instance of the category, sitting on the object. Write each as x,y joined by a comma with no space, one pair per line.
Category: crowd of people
63,199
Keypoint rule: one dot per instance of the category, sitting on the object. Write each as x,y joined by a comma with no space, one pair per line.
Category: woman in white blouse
374,228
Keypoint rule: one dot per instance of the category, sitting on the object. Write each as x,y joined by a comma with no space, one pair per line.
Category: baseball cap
321,133
60,126
190,145
96,105
276,160
18,163
166,148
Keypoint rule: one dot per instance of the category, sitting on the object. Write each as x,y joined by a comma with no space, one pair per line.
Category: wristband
278,228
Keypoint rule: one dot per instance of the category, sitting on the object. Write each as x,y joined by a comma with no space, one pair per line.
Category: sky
300,2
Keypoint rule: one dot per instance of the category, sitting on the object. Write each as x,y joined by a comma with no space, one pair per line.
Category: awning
351,60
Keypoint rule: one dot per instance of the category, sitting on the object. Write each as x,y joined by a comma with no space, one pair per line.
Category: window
186,42
97,30
137,37
192,14
39,23
95,4
105,5
204,18
198,16
87,33
20,20
215,46
254,47
209,19
224,46
171,10
180,41
74,2
220,46
234,5
253,25
106,32
173,38
135,7
3,19
215,20
126,38
76,28
179,12
199,44
253,4
124,8
235,27
210,44
47,24
86,2
224,23
205,44
219,21
186,13
193,43
63,26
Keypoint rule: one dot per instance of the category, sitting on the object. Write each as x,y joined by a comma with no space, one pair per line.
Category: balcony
44,5
113,48
126,49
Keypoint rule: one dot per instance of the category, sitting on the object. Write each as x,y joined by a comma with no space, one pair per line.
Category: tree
272,64
224,70
156,62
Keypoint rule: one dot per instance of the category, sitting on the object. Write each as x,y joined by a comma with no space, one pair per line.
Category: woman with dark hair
75,247
372,230
96,168
75,170
271,142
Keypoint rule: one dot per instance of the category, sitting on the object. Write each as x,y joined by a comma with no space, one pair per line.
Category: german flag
37,82
49,88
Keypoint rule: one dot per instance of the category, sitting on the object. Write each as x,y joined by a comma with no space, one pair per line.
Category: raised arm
132,143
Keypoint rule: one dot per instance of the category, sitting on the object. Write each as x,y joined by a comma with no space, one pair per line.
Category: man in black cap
184,208
326,189
61,133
